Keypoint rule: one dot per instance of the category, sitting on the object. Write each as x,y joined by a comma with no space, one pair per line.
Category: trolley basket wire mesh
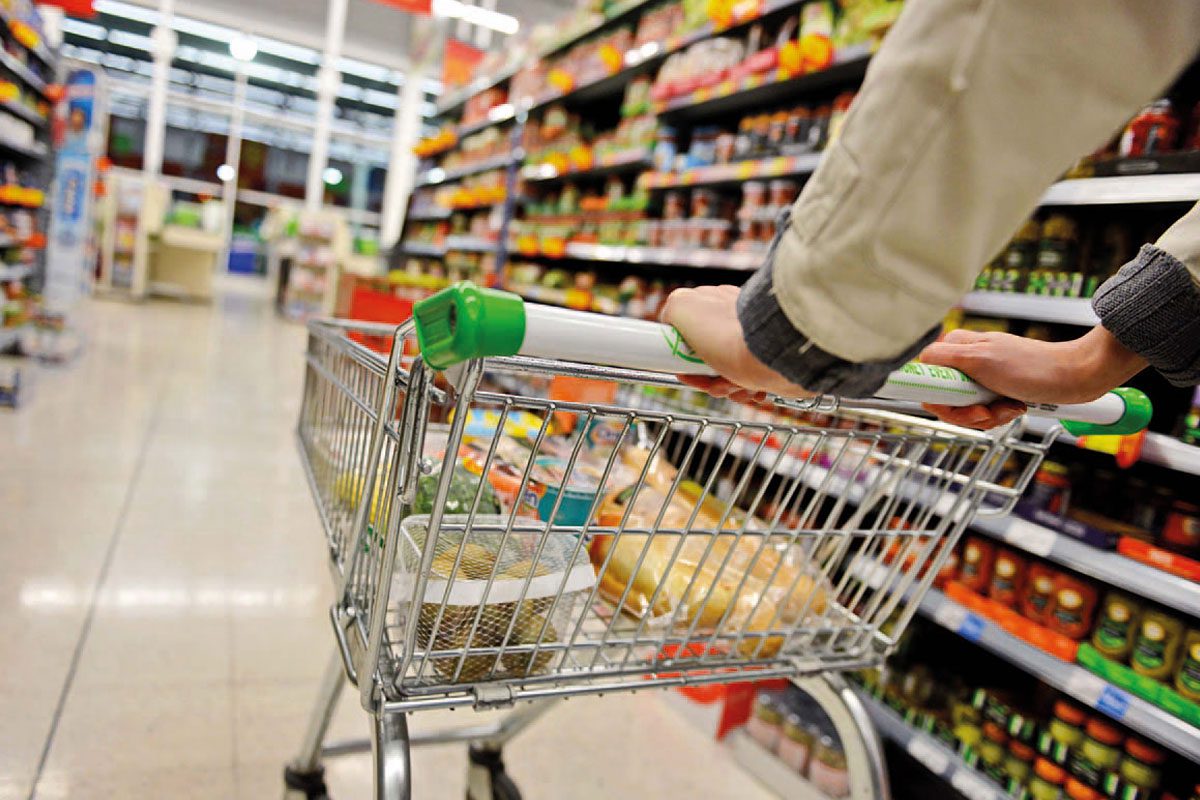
492,545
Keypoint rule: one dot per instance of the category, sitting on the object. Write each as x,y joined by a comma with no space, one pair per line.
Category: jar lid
1020,750
1077,790
1069,713
1144,751
994,732
1054,468
1049,771
1103,733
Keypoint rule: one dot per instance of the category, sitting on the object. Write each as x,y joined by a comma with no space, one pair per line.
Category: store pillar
328,81
164,43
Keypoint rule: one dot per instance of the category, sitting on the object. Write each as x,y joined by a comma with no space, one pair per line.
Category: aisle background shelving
930,753
1072,679
720,103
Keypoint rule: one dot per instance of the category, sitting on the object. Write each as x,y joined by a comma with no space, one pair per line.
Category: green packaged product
1187,679
1156,647
1117,627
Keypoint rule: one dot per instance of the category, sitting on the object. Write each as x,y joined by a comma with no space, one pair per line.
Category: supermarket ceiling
375,32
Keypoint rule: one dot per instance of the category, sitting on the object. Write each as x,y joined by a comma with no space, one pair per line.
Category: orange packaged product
975,570
1008,577
1073,606
1038,593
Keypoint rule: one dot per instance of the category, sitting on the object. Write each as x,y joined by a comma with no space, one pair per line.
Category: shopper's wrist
1097,362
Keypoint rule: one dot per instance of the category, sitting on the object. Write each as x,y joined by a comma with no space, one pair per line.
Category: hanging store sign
411,6
459,62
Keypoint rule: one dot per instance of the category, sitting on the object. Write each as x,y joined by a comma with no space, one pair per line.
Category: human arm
1149,316
968,112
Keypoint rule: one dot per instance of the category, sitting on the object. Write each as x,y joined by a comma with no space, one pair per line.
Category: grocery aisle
163,597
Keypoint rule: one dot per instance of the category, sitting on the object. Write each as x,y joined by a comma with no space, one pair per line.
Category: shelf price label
971,786
1030,537
966,624
1113,701
928,755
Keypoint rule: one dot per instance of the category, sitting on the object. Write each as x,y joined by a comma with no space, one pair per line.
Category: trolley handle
466,321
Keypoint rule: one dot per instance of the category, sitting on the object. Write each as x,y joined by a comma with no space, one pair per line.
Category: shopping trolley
513,517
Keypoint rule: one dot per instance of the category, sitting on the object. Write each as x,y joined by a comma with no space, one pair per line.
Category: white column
328,81
483,34
233,153
164,42
401,163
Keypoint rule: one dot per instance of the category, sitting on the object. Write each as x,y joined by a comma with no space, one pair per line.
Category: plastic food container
489,589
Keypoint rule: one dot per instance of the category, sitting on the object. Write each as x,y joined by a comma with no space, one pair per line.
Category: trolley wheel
305,785
486,778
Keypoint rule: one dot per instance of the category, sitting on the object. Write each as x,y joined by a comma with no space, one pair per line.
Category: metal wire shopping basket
509,520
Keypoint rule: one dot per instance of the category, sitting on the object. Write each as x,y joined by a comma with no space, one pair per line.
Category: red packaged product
1038,593
975,570
1008,577
1073,606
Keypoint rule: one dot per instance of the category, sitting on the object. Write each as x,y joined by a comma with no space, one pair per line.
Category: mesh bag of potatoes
493,607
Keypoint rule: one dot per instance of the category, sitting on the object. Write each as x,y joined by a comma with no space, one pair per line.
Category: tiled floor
163,597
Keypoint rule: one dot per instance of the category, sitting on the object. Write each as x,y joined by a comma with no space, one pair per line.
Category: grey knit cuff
1152,306
773,340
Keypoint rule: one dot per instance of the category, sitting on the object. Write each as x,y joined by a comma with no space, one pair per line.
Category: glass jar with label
1098,753
1141,765
1018,763
766,722
1156,647
1114,633
1051,489
795,744
828,770
1064,732
1047,781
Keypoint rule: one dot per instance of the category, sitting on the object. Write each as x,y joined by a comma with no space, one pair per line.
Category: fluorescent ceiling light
126,11
85,29
132,40
243,48
484,18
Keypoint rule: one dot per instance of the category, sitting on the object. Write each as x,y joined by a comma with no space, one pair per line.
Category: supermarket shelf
457,100
1165,451
704,258
770,771
32,151
473,244
13,273
21,110
617,16
1157,448
429,215
23,72
625,161
1178,188
423,249
477,206
737,172
438,175
930,753
1111,567
498,115
1066,310
732,98
40,50
1146,718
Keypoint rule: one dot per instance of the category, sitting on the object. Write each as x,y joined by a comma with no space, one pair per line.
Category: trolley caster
486,778
305,785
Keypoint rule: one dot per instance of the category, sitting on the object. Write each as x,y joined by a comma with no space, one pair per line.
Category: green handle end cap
1138,411
466,321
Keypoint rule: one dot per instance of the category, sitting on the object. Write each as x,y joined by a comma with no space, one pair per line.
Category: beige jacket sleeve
969,111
